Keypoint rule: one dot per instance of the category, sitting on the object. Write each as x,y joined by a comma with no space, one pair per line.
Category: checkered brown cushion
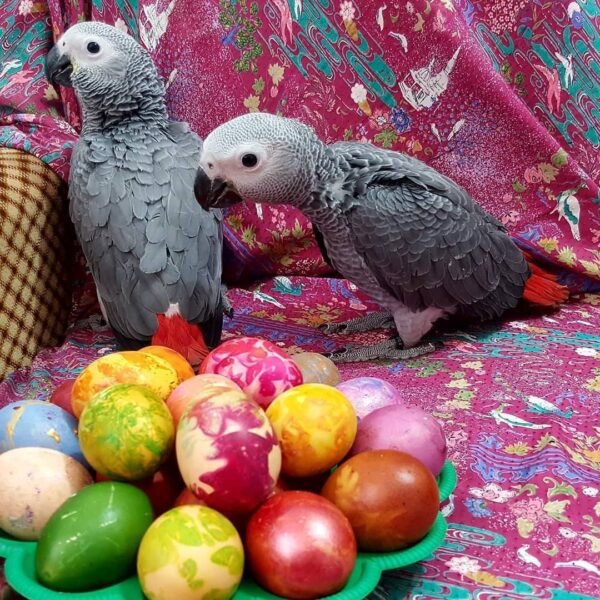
35,246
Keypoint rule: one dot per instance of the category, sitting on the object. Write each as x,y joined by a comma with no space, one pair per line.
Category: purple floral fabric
501,95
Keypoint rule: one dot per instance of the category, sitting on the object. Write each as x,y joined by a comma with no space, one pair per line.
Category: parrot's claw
378,320
225,303
392,349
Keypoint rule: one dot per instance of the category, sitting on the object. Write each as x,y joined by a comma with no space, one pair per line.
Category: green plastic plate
20,566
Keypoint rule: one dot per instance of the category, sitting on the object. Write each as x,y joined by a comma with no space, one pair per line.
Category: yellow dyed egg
123,367
316,426
190,553
317,368
126,432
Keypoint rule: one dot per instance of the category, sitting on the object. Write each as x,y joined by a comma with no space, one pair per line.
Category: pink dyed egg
228,454
369,393
260,369
407,429
197,389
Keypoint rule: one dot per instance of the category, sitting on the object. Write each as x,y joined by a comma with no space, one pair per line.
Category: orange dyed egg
123,367
176,360
201,388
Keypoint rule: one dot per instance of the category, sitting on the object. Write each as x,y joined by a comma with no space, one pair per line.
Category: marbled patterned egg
197,389
123,367
33,423
228,454
317,368
126,432
190,553
316,426
260,368
34,482
369,393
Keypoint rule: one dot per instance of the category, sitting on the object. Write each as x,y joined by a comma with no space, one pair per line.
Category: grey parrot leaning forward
154,253
411,238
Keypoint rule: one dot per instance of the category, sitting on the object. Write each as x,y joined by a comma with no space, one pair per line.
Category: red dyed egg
390,498
61,396
260,369
228,454
299,545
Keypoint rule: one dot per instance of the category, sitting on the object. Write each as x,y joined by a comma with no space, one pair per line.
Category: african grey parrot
154,253
408,236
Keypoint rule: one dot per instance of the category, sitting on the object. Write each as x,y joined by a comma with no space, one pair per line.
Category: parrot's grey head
258,157
106,67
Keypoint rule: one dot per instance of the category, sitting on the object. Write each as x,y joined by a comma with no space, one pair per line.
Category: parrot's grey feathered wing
428,243
132,202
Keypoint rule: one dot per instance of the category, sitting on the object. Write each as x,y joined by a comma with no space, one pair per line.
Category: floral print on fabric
498,95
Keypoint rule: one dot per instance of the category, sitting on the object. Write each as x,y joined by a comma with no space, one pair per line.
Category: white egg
34,482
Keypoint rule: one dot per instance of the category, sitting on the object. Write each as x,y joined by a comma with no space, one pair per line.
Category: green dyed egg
126,432
92,540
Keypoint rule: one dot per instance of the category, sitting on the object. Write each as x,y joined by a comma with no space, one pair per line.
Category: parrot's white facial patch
87,49
234,164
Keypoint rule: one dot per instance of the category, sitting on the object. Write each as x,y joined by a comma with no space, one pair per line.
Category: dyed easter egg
190,553
315,425
406,428
39,424
390,498
369,393
123,367
34,483
199,388
300,545
317,368
92,539
126,432
260,368
61,395
177,361
187,497
228,454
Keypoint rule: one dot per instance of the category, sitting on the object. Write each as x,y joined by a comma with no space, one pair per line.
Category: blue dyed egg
32,423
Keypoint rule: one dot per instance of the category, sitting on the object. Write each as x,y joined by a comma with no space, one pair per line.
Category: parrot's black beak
214,193
58,68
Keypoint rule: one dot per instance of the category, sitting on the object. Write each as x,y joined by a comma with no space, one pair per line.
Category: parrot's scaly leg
378,320
391,349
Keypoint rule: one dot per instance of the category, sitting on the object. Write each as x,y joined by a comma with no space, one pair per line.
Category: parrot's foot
226,304
378,320
391,349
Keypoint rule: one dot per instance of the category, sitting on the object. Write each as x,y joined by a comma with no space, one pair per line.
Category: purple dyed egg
369,393
405,428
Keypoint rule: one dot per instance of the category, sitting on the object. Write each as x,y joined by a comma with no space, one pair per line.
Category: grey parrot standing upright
411,238
154,253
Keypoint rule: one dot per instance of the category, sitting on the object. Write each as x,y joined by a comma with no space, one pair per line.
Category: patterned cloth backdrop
503,96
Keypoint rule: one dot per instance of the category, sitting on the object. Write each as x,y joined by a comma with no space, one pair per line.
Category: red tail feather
183,337
542,288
